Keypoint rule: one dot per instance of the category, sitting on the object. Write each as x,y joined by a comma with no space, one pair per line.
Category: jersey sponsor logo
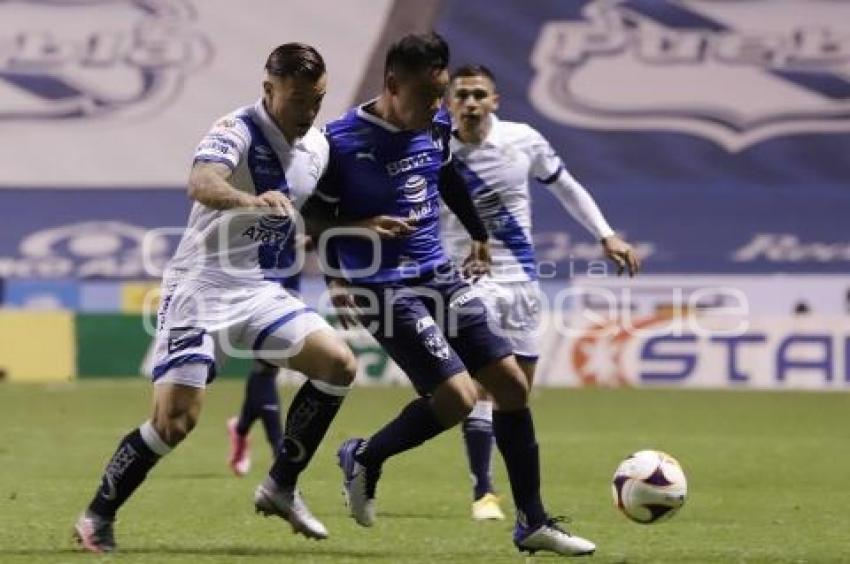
421,211
266,234
736,73
408,163
107,249
226,123
273,221
95,58
415,189
181,338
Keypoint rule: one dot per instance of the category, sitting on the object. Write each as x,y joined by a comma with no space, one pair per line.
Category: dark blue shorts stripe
161,369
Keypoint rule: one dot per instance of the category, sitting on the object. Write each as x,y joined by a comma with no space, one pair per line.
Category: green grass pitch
768,476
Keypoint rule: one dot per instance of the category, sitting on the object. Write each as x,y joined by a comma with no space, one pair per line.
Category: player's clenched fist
277,203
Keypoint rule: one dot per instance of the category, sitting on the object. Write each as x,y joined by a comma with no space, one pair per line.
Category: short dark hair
417,52
472,71
295,60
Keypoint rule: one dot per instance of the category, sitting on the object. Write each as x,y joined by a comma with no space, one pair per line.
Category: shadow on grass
430,516
229,550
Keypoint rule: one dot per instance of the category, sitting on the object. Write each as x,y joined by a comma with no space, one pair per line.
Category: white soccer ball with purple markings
649,486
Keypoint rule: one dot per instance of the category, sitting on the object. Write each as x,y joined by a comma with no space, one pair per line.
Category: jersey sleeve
546,165
548,168
226,142
443,134
328,187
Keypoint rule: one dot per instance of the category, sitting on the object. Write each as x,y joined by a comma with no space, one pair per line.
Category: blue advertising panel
713,134
89,234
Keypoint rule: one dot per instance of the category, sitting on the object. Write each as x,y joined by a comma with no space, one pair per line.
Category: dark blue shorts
431,326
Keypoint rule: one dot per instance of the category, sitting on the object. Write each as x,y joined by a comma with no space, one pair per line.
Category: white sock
153,440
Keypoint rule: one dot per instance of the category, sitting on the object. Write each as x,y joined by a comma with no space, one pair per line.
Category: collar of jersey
492,138
372,118
271,131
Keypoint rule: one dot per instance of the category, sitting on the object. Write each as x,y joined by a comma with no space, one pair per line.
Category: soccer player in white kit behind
497,159
221,295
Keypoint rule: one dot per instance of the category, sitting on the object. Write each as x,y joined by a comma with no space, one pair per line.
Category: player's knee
174,426
343,367
453,400
466,400
512,391
463,405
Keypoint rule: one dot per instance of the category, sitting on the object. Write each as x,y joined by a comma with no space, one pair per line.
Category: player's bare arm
208,184
319,216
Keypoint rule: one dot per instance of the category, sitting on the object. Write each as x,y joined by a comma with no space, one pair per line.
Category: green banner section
115,344
110,344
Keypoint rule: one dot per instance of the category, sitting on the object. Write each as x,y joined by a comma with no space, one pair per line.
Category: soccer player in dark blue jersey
390,157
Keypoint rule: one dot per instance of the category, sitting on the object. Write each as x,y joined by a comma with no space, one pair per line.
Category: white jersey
230,246
497,173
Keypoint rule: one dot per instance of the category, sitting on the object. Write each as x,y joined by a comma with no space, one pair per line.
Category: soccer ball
649,486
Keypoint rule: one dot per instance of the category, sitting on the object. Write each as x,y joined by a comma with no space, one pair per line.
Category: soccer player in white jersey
498,159
221,294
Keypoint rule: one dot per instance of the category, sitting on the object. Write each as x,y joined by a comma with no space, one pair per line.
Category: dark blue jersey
377,169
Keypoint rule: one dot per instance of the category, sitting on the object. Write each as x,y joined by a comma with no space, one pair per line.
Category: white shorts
201,323
516,310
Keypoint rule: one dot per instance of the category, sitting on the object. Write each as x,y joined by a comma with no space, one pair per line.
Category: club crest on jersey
432,338
737,73
94,58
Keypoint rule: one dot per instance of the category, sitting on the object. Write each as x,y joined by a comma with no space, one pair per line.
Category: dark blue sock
262,401
478,436
416,423
307,421
125,471
514,431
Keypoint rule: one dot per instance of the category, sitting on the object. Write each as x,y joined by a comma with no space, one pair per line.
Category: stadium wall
713,134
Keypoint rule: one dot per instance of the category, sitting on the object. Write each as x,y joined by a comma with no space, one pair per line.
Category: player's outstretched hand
275,202
388,226
477,264
622,254
343,302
